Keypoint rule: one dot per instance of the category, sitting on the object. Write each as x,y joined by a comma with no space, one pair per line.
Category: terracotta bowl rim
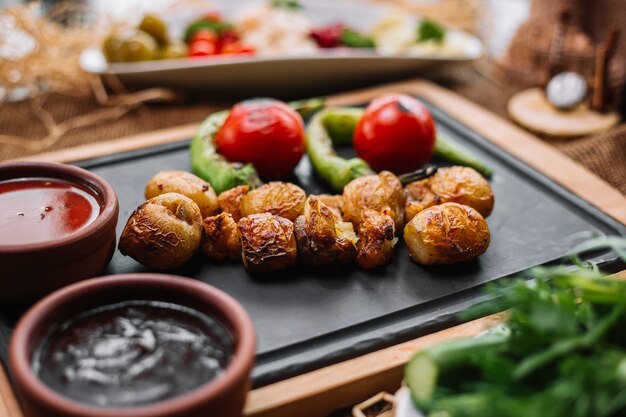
103,188
234,315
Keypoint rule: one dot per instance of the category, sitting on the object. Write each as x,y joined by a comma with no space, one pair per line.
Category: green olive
155,27
112,48
139,47
176,49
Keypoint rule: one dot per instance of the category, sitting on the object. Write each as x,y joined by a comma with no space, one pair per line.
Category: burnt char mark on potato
268,242
221,238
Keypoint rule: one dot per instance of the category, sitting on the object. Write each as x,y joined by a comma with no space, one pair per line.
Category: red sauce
38,210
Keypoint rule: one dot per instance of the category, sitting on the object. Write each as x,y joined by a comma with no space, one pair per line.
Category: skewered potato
230,201
187,184
322,239
455,184
280,198
376,238
268,242
446,233
220,237
374,192
164,232
334,203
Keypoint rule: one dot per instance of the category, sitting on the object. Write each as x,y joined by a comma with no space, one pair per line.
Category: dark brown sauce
133,353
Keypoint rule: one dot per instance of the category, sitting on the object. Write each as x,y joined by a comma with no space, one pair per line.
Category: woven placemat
603,154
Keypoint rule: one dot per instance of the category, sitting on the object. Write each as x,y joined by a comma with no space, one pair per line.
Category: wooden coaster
531,109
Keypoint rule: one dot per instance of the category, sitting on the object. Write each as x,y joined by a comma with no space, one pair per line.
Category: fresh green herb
560,353
430,30
218,27
286,4
353,39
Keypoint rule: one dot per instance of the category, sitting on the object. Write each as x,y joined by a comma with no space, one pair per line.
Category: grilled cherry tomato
396,133
266,133
328,36
236,48
202,48
203,43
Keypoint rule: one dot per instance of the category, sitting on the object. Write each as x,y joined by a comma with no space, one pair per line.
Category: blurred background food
50,102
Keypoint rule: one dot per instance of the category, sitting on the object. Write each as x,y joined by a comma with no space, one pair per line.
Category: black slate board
307,319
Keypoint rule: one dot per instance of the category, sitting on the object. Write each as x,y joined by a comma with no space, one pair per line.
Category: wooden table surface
320,392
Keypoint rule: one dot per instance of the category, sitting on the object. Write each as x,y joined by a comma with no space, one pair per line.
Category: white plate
327,70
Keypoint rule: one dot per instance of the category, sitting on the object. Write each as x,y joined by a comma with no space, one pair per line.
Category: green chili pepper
223,175
335,126
213,167
334,169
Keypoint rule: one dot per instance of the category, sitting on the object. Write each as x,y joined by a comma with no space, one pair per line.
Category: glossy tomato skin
266,133
396,133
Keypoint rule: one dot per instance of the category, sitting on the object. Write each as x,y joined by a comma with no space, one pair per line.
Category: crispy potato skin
164,232
334,203
230,201
419,197
445,234
220,237
187,184
321,240
455,184
268,242
279,198
376,238
374,192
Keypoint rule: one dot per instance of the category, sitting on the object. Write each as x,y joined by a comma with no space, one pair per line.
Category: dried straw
52,66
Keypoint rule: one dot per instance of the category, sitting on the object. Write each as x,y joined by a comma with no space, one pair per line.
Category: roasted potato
230,201
376,238
455,184
419,197
220,237
268,242
322,239
164,232
374,192
446,233
187,184
334,203
279,198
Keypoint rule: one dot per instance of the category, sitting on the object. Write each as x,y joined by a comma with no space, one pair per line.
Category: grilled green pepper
223,175
335,126
209,165
334,169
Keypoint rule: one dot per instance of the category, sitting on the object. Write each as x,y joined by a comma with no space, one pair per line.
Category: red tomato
266,133
202,48
204,35
328,36
396,133
236,48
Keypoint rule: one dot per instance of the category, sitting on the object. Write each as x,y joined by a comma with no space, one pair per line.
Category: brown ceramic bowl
30,271
222,397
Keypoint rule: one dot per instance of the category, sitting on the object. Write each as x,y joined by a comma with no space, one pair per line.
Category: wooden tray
322,391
